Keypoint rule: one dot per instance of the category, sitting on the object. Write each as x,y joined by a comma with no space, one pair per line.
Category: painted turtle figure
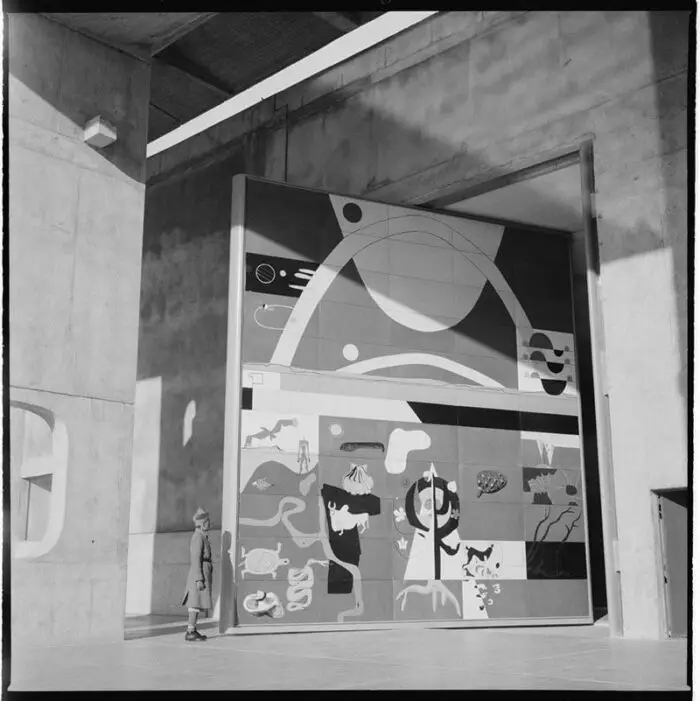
262,561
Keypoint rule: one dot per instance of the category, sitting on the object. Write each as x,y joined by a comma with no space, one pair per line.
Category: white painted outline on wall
266,307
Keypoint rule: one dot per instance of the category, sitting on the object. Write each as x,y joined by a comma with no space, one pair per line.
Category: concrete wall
182,362
459,99
76,217
160,588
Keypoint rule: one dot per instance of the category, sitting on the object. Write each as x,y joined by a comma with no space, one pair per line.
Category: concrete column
76,224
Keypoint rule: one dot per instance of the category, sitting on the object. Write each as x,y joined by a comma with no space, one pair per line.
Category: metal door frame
661,561
228,623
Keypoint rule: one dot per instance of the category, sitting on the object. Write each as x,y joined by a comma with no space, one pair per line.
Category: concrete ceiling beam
179,32
174,58
338,20
140,34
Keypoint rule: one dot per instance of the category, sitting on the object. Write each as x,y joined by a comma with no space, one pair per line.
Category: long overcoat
201,569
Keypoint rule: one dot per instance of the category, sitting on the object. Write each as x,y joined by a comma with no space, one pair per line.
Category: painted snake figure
301,582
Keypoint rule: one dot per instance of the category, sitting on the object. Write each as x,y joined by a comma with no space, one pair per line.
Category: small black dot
352,212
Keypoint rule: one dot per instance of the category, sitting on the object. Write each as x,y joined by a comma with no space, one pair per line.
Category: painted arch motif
369,489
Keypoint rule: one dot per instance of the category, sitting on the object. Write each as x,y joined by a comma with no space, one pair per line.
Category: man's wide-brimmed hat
200,515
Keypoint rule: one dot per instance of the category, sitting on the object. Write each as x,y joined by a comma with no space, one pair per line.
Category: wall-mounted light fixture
99,132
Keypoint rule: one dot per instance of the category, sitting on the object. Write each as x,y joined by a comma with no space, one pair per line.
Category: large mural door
408,443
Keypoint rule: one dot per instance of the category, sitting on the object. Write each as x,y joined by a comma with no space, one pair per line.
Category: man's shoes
194,636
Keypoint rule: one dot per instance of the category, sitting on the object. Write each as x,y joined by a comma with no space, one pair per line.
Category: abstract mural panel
409,444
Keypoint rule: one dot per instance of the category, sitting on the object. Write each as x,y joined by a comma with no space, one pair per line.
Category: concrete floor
155,656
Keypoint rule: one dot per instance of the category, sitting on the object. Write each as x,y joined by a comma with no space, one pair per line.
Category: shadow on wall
226,608
184,302
182,341
663,25
185,267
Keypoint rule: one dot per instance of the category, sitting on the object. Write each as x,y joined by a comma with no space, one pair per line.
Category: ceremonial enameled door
403,433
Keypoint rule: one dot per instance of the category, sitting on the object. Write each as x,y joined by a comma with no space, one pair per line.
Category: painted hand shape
399,514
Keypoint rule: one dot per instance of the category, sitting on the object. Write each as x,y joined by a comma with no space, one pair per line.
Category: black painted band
504,419
477,417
